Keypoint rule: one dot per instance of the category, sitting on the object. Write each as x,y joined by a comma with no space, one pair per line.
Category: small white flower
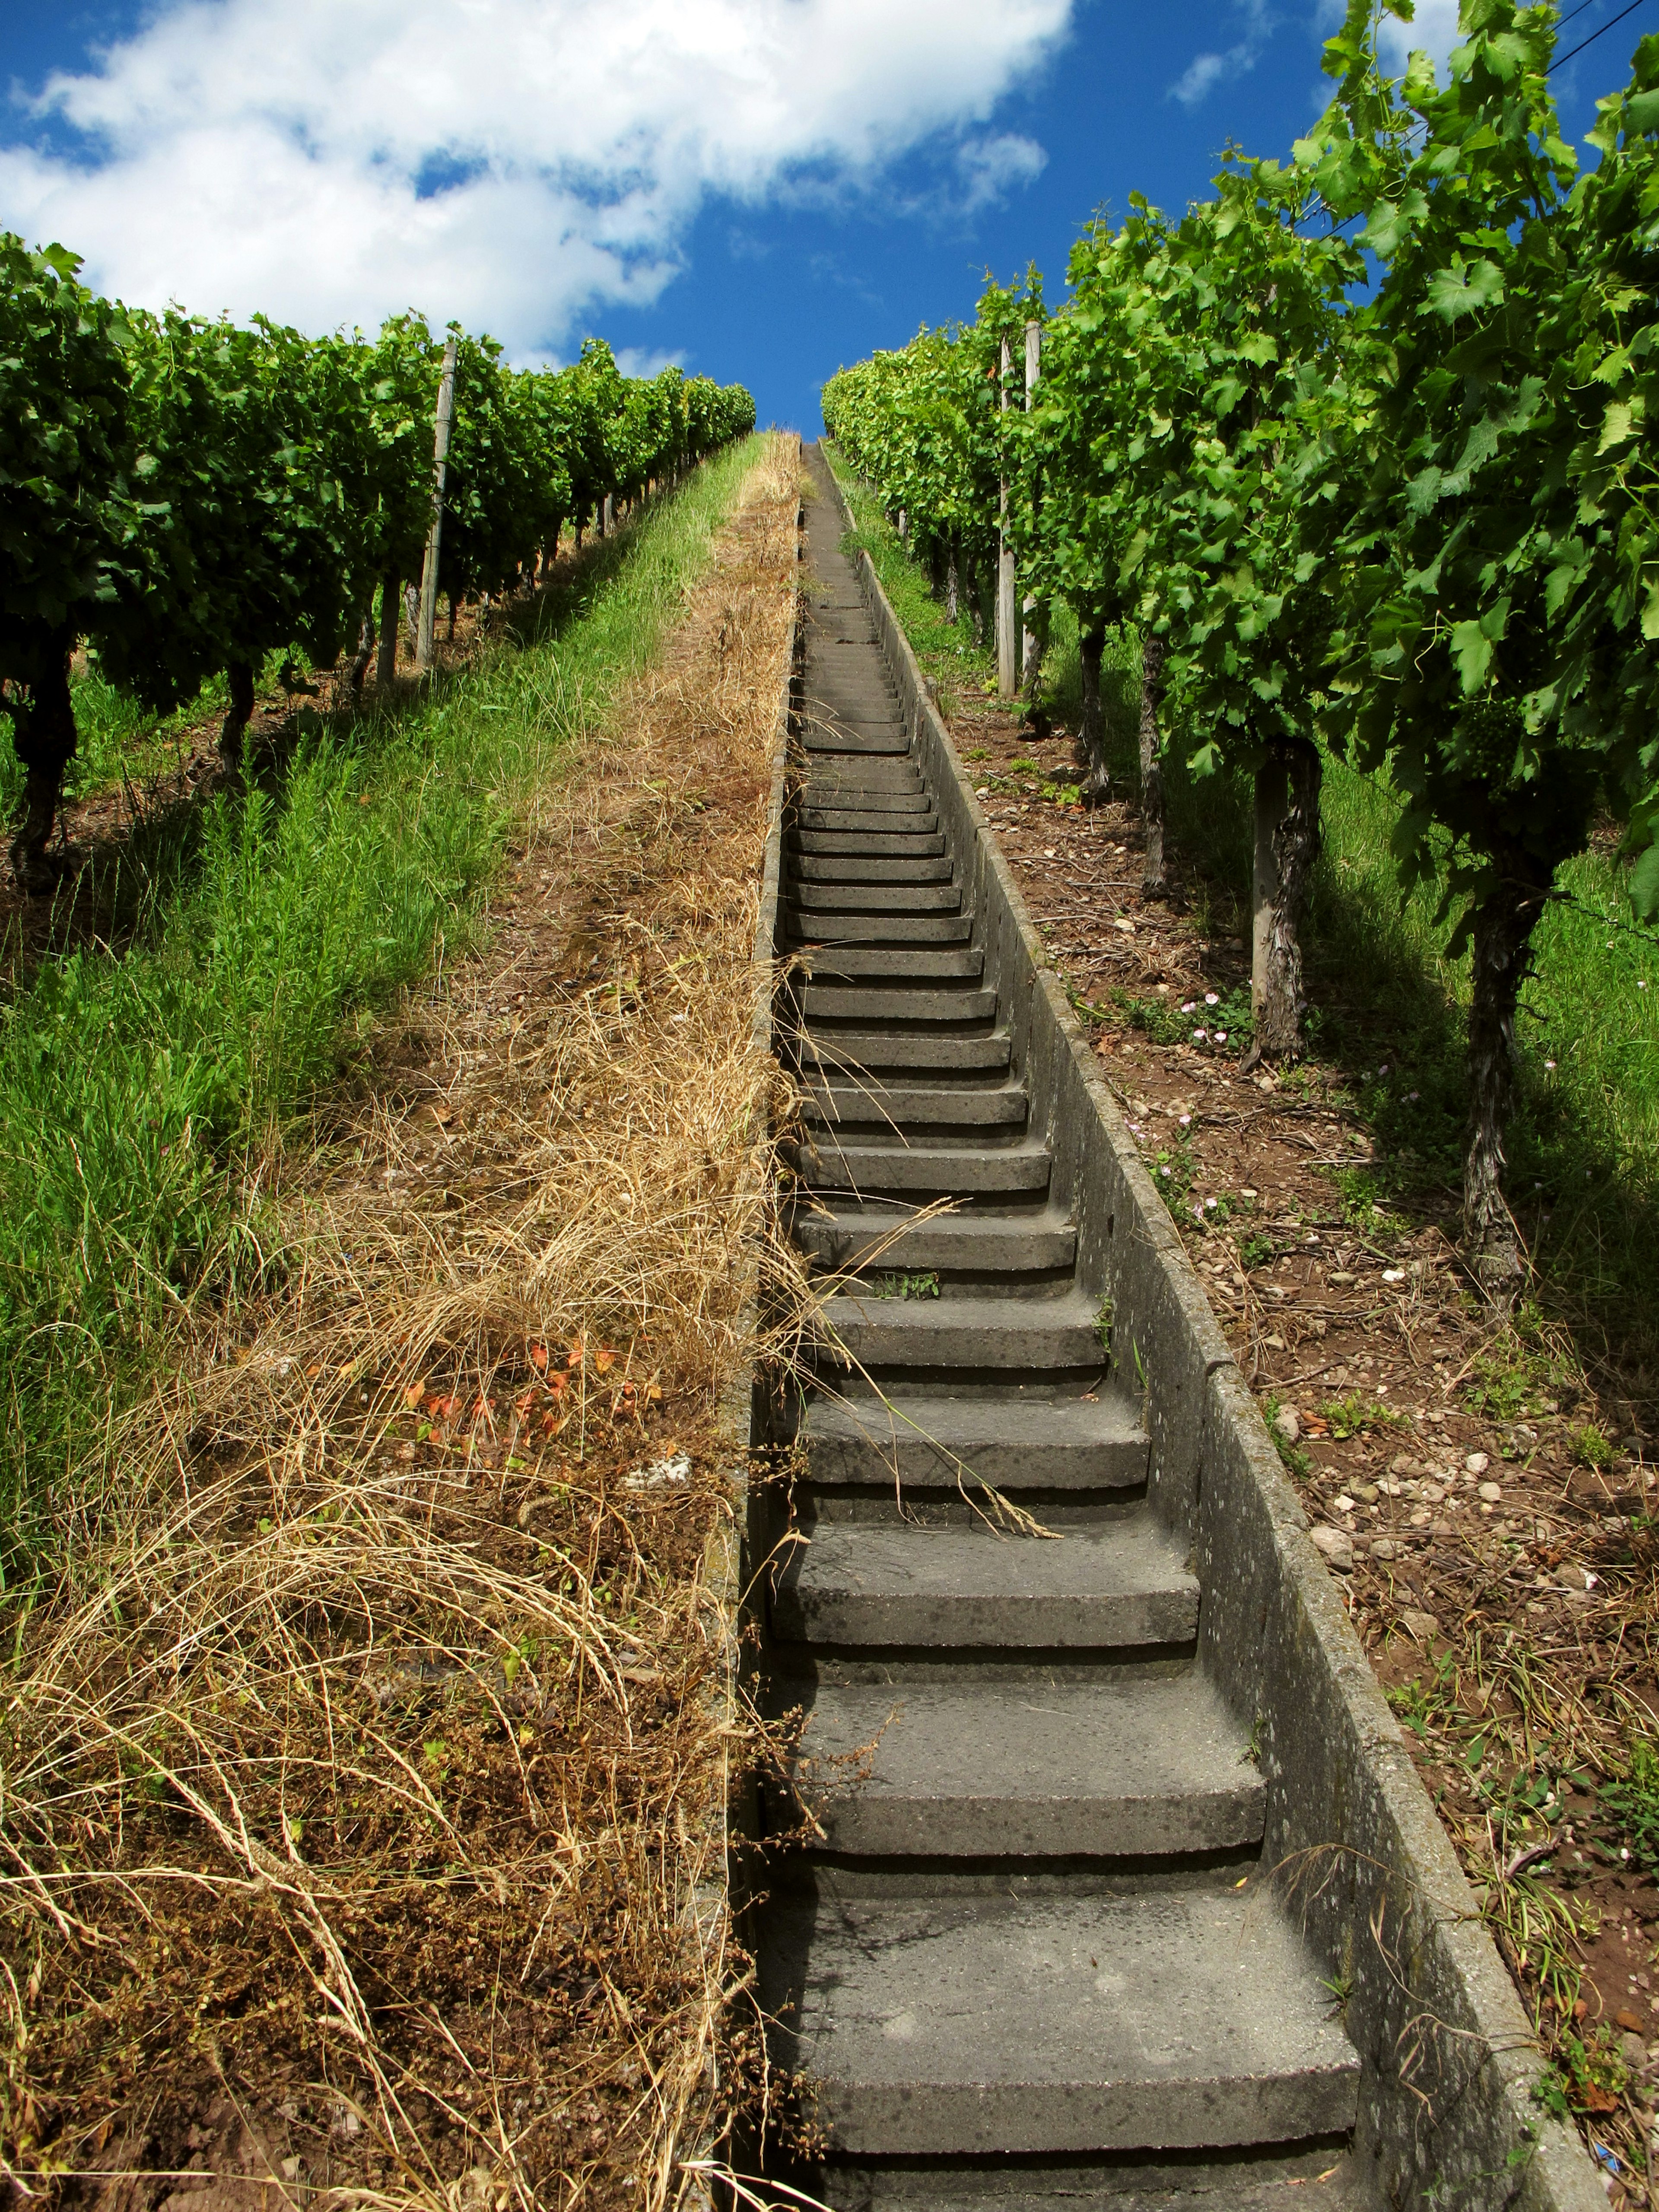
1211,999
1413,1097
1185,1119
1221,1037
1164,1171
1210,1205
1187,1005
1383,1069
1548,1063
1641,983
1200,1035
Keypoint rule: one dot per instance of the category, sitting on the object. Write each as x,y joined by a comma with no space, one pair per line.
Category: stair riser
834,1053
1025,1345
869,844
917,2119
1055,1470
1085,1826
1014,1253
982,1176
884,965
898,932
831,1002
813,871
961,1624
815,906
916,1112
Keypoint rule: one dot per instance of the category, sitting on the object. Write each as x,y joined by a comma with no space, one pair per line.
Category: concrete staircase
1026,1953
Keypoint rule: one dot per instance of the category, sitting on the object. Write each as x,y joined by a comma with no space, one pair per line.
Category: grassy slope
1584,1177
139,1097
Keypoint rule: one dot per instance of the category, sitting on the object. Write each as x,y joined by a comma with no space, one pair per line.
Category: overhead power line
1610,24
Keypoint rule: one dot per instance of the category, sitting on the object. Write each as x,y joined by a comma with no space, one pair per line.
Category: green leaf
1460,290
1472,649
1618,425
1645,882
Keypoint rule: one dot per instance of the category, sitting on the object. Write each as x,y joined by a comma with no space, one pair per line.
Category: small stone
1121,922
1342,1279
1431,1493
1274,1343
1335,1546
1366,1491
1384,1547
1420,1625
1489,1494
1476,1463
1419,1518
1404,1464
1317,1328
1343,1502
1287,1423
1632,2050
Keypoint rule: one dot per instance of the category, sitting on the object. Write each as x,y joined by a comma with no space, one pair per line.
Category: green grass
1387,1028
140,1095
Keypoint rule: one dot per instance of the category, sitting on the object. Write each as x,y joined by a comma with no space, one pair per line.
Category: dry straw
362,1781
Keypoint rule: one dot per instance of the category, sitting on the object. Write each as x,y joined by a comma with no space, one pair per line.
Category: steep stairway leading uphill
1025,1954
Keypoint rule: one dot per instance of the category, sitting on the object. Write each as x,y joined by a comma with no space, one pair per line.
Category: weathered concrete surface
930,2025
1448,2059
1100,1590
1098,1768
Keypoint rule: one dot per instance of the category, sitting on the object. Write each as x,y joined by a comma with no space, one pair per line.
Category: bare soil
1503,1588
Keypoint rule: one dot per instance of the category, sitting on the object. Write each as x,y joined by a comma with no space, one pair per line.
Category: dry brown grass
364,1776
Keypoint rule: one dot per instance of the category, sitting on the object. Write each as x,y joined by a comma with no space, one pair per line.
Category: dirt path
367,1803
1502,1583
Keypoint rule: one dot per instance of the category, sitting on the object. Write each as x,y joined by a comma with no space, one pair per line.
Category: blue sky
762,189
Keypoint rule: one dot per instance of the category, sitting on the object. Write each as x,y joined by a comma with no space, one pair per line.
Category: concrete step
889,1106
896,929
1012,1769
912,821
893,779
917,1170
1251,2179
1116,1587
869,1051
870,844
816,871
806,898
896,964
835,1002
879,806
963,2022
861,737
1076,1446
988,1335
886,1241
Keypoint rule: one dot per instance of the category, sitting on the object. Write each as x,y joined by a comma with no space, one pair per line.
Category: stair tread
847,1050
906,1106
1130,1768
966,1425
899,1587
1185,2018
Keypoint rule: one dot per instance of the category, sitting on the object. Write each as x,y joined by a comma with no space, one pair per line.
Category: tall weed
140,1094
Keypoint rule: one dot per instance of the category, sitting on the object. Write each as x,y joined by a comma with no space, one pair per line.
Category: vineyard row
1362,448
186,497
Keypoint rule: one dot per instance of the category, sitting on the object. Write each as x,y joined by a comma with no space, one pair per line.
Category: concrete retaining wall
1447,2110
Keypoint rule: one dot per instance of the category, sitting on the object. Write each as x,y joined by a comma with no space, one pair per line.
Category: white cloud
1204,71
280,154
1433,29
991,167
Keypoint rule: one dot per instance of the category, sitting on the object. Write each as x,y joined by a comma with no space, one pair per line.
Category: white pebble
1476,1463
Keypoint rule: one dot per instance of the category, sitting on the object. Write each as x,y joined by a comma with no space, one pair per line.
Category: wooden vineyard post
434,536
1029,648
1006,638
